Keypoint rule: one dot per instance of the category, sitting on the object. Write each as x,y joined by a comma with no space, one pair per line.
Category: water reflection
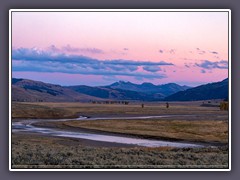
28,126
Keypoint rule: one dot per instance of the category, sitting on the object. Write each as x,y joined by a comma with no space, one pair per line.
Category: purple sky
99,48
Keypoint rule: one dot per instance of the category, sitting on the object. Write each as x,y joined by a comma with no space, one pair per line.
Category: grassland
198,131
48,110
209,125
48,152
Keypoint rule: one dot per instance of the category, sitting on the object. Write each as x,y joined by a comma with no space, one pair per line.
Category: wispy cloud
200,51
203,71
70,49
152,68
136,63
169,51
213,52
172,51
206,64
37,60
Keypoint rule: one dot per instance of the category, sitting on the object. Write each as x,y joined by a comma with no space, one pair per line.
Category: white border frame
123,10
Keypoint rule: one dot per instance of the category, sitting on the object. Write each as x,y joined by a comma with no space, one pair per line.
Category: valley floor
210,125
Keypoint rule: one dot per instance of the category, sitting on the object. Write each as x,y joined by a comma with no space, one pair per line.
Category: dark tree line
110,102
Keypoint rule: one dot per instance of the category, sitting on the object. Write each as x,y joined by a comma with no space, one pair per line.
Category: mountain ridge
149,88
215,90
35,91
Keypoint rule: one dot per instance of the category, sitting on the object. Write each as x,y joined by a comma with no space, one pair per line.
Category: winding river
28,126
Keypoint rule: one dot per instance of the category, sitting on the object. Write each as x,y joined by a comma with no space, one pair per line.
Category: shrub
224,106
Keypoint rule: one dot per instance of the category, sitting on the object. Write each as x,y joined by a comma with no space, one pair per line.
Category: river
28,126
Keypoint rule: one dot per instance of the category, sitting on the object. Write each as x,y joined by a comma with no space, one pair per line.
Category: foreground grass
45,152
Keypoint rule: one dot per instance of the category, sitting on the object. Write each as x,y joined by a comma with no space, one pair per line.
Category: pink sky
195,42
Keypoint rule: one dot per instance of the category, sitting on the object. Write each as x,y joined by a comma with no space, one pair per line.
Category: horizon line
118,81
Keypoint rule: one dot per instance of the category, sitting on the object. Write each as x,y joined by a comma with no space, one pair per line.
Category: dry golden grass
63,110
210,125
204,131
26,110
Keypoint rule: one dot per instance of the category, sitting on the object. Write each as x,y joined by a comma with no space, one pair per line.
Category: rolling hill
36,91
217,90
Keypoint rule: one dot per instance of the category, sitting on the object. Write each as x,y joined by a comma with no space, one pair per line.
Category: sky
100,48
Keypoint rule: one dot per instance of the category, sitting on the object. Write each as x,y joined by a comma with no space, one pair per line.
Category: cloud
170,51
76,69
125,49
37,60
122,67
34,54
213,52
152,68
206,64
53,48
136,63
203,71
186,65
199,51
70,49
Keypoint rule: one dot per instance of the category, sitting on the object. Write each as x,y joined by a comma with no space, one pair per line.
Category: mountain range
129,91
149,88
217,90
29,90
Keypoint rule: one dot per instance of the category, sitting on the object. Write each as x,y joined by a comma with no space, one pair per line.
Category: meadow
209,125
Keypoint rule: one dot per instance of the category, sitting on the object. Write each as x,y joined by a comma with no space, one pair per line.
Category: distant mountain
129,91
149,88
115,94
217,90
35,91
